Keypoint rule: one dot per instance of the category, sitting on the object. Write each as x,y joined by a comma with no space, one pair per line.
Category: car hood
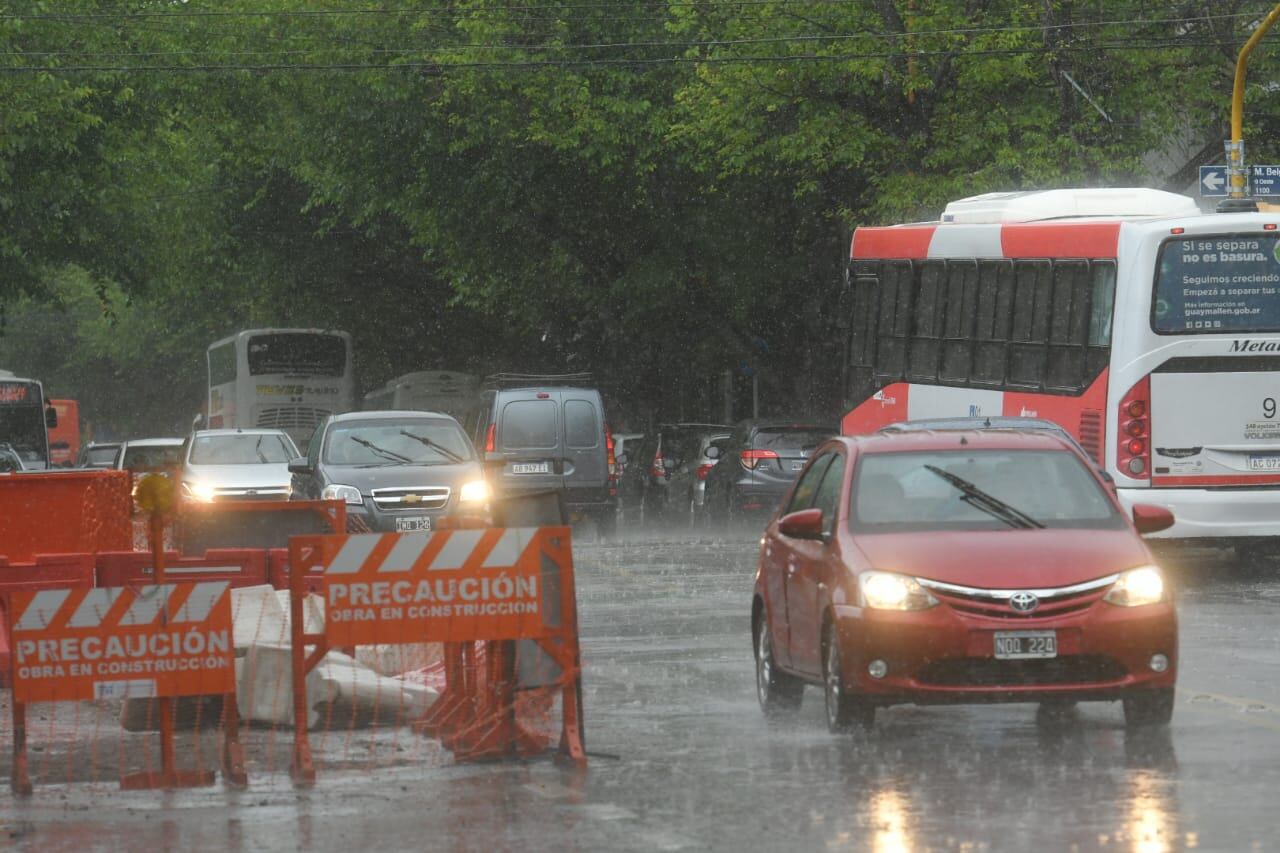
253,476
404,476
1008,559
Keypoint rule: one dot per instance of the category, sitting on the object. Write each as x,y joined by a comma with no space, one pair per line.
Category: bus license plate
416,524
1025,645
531,468
1269,462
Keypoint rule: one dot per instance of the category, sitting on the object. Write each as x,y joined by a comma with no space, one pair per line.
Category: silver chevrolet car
237,464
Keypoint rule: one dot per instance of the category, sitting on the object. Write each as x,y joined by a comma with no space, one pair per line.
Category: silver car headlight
1138,586
339,492
892,591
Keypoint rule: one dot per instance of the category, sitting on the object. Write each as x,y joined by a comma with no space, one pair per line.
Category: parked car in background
233,464
757,465
397,471
943,567
624,444
542,433
98,454
667,473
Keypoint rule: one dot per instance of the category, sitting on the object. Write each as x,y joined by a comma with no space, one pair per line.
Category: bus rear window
297,353
1222,283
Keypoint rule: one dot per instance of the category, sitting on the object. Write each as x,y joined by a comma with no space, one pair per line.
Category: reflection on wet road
684,759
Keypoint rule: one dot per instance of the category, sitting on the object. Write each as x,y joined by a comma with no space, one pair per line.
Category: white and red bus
1146,328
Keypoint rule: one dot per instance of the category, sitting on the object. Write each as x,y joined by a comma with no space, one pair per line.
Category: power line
442,67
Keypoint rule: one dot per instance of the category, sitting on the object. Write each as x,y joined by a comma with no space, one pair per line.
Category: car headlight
476,492
198,491
889,591
1136,587
338,492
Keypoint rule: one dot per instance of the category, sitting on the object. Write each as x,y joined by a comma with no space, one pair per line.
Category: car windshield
977,490
152,457
250,449
386,442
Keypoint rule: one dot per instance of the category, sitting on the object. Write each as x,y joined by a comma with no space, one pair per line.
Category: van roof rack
532,380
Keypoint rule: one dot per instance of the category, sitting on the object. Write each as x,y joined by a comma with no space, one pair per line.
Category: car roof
102,444
214,432
775,423
975,423
389,415
948,440
153,442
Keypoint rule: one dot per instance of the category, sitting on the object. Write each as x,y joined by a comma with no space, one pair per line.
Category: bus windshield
22,428
1224,283
297,353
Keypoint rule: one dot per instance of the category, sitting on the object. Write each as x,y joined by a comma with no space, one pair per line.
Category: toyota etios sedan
990,566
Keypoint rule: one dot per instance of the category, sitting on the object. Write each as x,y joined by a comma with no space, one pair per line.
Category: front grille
989,672
1000,609
412,497
291,417
256,495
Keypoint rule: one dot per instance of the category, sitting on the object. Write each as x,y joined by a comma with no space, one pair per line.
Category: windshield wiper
381,451
443,451
257,448
990,504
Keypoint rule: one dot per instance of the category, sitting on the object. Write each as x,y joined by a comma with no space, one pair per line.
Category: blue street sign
1265,181
1213,181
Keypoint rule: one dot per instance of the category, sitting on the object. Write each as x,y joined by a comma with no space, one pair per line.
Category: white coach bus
289,379
1149,330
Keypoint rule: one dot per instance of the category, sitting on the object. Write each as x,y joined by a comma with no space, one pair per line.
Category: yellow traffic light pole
1237,174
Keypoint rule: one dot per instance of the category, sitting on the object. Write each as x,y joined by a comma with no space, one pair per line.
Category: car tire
845,710
1148,707
779,694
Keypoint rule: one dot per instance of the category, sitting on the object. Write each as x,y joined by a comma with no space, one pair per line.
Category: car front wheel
844,709
779,694
1149,707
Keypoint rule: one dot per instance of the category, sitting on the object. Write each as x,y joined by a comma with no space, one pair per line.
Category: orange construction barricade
47,571
64,512
237,566
494,587
254,524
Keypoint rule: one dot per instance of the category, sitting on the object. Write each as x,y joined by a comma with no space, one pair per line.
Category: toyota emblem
1023,602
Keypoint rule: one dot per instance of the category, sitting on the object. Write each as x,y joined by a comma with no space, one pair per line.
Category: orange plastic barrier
255,524
158,641
237,566
64,512
278,572
496,585
47,571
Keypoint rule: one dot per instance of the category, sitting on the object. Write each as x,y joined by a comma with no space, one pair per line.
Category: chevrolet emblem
411,499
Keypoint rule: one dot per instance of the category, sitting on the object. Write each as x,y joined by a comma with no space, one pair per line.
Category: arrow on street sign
1213,181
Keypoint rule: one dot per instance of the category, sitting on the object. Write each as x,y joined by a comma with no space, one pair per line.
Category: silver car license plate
1026,645
414,524
531,468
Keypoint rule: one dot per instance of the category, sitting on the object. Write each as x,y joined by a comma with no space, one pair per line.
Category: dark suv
549,436
756,466
662,480
398,471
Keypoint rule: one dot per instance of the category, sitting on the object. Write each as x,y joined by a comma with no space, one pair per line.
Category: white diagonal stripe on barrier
147,604
199,570
94,607
456,550
405,553
508,549
43,607
200,602
353,553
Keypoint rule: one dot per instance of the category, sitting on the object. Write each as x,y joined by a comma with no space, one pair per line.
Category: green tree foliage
657,191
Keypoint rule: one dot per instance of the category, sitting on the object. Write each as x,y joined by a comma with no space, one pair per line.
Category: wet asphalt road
684,759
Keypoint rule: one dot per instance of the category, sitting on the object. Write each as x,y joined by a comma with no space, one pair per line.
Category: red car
960,567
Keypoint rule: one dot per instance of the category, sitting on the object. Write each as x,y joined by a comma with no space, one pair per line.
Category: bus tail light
751,459
1133,438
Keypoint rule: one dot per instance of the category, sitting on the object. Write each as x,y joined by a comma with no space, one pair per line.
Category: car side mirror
803,524
51,417
712,452
301,465
1151,519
